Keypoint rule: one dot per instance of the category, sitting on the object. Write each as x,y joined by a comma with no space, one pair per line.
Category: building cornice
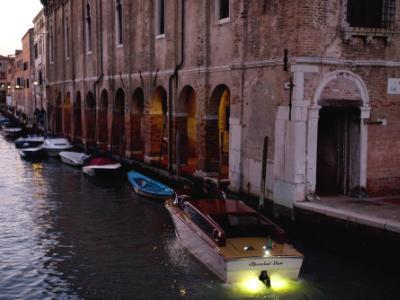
52,5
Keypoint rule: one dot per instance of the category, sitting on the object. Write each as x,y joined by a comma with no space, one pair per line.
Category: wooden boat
53,146
75,159
32,153
102,167
234,241
29,141
147,187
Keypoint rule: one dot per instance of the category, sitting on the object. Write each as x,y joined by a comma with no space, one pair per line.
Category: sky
15,19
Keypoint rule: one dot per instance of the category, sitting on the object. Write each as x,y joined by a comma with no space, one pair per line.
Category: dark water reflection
63,236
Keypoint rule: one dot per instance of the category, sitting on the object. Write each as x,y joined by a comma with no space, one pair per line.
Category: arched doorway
103,121
217,131
186,126
90,119
137,110
340,136
78,118
58,115
118,124
156,127
67,115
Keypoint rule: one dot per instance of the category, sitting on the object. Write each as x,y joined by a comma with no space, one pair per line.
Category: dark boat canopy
216,206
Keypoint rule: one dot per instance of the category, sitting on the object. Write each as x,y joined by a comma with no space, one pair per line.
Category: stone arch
67,114
217,130
156,125
340,105
118,123
77,124
90,119
186,124
137,111
102,126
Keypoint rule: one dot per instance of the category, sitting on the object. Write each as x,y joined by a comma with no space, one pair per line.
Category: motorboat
102,167
235,242
53,146
29,141
32,153
75,159
150,188
12,132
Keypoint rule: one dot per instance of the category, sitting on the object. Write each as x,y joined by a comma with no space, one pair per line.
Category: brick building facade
213,77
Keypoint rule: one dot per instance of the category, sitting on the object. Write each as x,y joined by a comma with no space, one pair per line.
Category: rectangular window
66,35
88,21
222,9
36,51
160,17
371,13
51,44
27,83
118,20
40,78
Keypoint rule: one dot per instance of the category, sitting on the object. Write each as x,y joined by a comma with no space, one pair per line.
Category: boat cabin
224,219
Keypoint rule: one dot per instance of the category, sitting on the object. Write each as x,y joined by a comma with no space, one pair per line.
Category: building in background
39,83
208,81
18,90
10,80
3,80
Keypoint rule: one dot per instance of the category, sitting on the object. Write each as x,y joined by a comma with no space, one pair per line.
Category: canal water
63,236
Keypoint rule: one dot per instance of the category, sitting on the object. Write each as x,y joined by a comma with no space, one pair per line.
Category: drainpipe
170,81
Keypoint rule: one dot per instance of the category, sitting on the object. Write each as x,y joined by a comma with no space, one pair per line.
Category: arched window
118,20
88,19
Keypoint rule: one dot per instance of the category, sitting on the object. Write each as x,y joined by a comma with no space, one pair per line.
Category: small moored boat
75,159
234,241
102,167
32,153
12,132
29,141
53,146
148,187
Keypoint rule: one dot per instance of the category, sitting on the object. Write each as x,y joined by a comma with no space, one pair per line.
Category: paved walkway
382,213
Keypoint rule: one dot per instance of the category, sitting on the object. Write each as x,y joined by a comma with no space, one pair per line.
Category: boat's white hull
71,162
74,159
55,152
233,270
102,171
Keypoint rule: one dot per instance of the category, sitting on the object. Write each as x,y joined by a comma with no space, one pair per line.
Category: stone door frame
312,135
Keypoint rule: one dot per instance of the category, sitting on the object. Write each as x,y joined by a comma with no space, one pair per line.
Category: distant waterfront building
319,79
39,56
10,80
3,79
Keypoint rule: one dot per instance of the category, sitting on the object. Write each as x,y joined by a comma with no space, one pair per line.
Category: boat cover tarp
101,161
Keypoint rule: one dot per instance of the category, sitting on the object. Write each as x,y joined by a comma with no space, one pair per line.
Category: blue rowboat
148,187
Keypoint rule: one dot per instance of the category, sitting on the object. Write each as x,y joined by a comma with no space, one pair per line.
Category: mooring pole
177,153
263,173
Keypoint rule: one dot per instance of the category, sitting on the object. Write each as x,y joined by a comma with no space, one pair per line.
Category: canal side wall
234,67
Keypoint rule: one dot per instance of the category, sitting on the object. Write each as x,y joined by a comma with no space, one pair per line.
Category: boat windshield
243,225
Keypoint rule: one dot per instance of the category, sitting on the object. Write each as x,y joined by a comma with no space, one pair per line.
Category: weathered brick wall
244,54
